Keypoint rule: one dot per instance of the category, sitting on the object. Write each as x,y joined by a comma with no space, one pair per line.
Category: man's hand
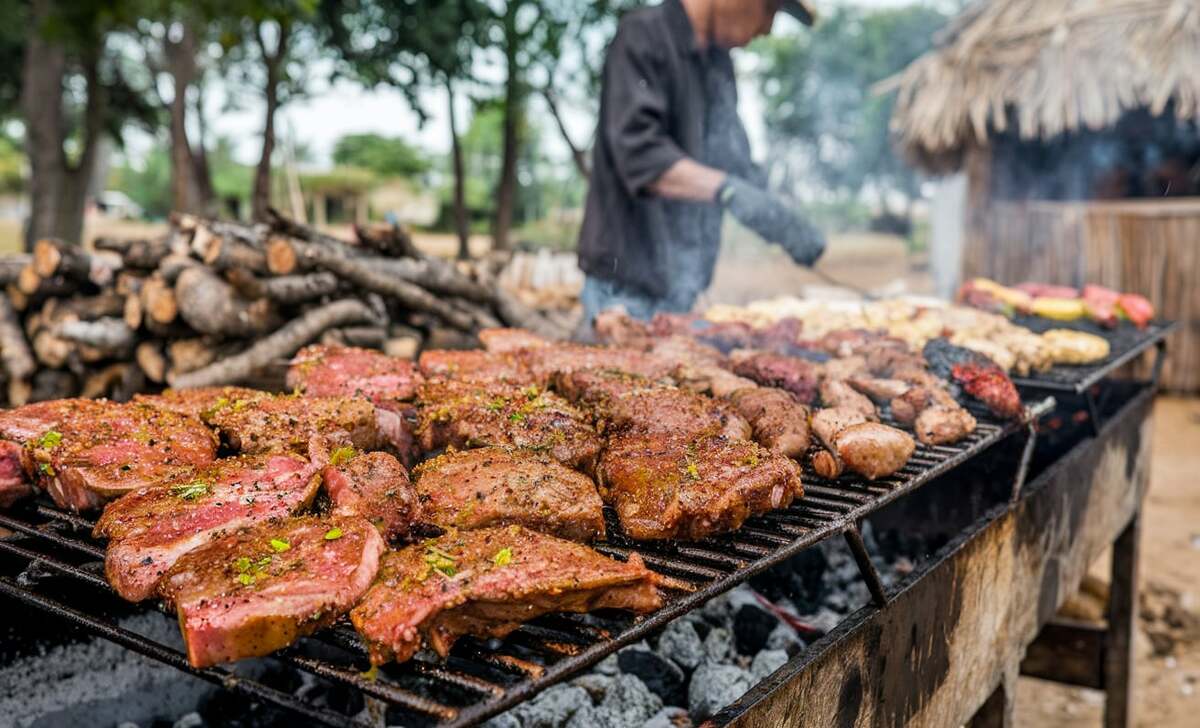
773,220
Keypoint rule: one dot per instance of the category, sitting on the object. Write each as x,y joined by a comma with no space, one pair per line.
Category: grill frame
567,643
1126,341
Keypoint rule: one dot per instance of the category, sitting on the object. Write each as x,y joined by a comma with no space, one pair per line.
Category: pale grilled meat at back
463,415
151,528
779,422
260,588
346,371
666,487
374,486
493,486
768,369
840,395
486,583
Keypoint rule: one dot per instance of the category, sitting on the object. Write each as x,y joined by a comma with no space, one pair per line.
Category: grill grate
1126,343
482,678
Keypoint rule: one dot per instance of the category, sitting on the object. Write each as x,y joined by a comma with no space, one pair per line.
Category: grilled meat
614,327
261,588
474,415
202,402
840,395
711,380
14,485
506,341
548,361
473,366
826,424
152,527
666,487
779,422
790,373
885,356
879,390
942,425
309,426
486,583
95,454
845,368
979,376
873,450
497,487
684,350
23,425
346,371
656,409
1075,347
724,335
374,486
593,387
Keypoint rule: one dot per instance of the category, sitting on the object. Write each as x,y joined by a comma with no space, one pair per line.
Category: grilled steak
665,487
593,387
614,327
497,487
780,423
374,486
546,362
346,371
261,588
25,424
465,415
14,486
473,366
671,411
201,403
149,529
840,395
96,454
844,368
711,380
486,583
505,341
978,375
309,426
789,373
686,350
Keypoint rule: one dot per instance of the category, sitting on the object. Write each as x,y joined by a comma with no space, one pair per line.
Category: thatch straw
1045,67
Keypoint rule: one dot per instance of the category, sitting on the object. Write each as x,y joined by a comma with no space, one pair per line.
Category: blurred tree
148,182
385,156
817,89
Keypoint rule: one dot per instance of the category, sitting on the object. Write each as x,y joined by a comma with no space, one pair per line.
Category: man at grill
672,156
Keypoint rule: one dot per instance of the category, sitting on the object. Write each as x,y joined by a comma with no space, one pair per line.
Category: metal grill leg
1122,616
854,539
1023,465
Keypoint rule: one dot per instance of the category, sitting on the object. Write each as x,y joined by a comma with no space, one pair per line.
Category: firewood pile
216,302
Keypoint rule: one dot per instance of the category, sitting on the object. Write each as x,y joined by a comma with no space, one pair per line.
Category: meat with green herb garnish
486,583
309,426
25,424
374,486
150,528
203,402
494,486
260,588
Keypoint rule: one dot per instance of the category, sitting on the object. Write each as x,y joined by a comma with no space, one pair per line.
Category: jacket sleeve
636,115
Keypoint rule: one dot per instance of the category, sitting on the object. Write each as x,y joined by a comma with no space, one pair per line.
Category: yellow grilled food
1074,347
1059,309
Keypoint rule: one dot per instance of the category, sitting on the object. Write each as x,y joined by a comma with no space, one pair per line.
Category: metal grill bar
1126,344
479,679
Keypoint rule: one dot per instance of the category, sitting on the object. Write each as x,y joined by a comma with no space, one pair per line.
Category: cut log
14,351
281,344
102,382
28,280
211,306
50,350
363,275
90,308
54,257
143,253
132,312
16,297
188,355
406,347
286,290
129,282
230,254
149,356
158,300
435,275
53,384
10,267
173,265
291,228
282,258
19,392
391,240
109,334
517,314
366,337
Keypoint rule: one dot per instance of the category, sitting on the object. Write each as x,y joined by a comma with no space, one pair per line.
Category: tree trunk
261,198
181,64
506,186
203,174
41,104
461,225
579,156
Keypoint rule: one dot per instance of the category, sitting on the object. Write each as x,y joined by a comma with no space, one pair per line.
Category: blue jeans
600,294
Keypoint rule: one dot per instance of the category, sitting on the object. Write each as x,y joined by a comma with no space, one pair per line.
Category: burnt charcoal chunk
662,677
751,628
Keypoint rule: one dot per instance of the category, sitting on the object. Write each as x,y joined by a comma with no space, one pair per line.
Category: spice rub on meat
493,486
486,583
374,486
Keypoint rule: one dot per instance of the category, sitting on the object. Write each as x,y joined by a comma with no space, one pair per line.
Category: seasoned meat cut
473,366
594,387
374,486
978,375
259,589
201,403
939,425
546,362
14,485
346,371
625,403
667,487
150,528
789,373
711,380
309,426
878,389
840,395
780,423
684,350
95,454
851,442
487,583
455,414
22,425
493,486
505,341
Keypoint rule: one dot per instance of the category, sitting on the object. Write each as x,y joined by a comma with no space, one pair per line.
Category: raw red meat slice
374,486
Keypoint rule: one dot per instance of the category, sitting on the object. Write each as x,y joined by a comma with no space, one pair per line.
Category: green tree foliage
823,118
148,182
385,156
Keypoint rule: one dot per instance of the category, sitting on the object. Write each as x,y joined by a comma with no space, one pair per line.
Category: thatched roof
1044,67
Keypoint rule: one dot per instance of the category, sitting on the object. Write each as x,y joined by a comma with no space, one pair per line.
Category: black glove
773,220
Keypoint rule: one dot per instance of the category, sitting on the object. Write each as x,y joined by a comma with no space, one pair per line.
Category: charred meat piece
548,361
200,403
840,395
347,371
473,366
941,425
261,588
666,487
879,390
711,380
461,415
149,529
869,449
309,426
486,583
493,486
780,423
885,356
94,455
790,373
506,341
374,486
978,375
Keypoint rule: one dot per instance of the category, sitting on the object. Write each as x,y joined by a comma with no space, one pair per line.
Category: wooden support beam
1068,652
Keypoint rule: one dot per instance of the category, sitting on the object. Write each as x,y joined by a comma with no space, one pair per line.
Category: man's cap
799,10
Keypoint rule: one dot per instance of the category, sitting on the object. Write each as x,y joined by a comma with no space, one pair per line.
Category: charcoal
553,708
504,720
669,717
715,686
629,702
718,646
767,662
752,625
594,683
190,720
681,644
783,637
608,666
661,676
